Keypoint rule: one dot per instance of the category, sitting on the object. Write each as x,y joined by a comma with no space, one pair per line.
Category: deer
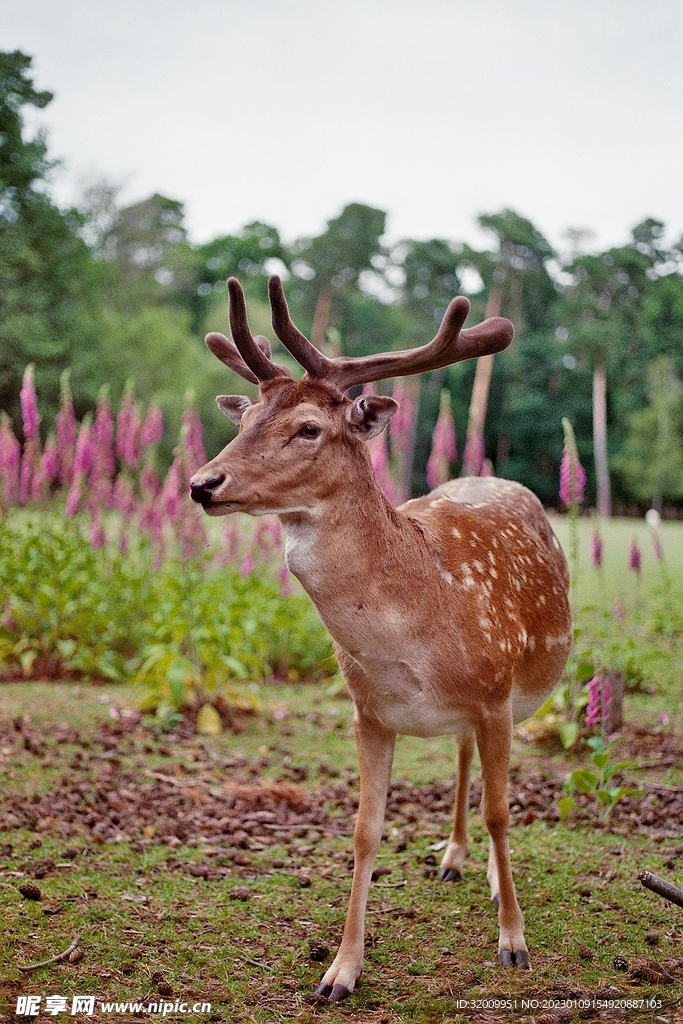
449,613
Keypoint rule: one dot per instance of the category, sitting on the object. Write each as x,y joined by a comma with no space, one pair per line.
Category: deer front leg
458,845
494,739
375,754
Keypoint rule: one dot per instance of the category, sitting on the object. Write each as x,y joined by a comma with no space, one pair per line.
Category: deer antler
247,355
450,345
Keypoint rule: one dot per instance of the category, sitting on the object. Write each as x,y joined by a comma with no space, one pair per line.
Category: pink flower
127,429
248,565
599,700
401,425
596,549
635,558
193,442
171,491
657,548
66,432
10,460
50,460
103,438
444,449
98,537
572,473
29,404
153,427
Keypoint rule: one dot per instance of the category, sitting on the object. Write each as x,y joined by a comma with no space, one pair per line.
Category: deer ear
369,415
233,406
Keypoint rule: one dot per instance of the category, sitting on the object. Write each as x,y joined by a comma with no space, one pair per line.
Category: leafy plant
595,783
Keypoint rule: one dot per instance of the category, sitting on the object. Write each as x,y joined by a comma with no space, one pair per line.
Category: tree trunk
321,318
604,496
473,456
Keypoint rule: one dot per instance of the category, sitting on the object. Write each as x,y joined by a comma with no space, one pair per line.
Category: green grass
428,944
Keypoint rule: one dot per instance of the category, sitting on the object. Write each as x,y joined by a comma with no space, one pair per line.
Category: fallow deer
449,613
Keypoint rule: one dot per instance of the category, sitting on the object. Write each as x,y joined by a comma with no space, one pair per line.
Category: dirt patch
103,796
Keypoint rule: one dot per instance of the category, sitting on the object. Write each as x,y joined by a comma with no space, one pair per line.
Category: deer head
276,462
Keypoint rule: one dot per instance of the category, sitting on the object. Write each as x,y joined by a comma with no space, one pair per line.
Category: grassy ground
252,939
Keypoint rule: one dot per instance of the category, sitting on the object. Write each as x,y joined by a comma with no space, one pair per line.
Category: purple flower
29,404
444,449
596,549
572,473
379,457
635,558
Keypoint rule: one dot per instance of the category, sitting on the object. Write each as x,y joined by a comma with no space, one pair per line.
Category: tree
651,460
336,259
47,305
519,285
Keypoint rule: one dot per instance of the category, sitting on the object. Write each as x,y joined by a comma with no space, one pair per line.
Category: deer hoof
496,901
323,990
449,875
516,958
338,992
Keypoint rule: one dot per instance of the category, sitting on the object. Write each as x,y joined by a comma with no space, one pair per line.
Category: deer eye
309,430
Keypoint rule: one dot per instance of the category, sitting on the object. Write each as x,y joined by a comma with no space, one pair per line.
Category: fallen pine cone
76,955
30,891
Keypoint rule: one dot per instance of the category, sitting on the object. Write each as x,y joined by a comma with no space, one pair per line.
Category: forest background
116,292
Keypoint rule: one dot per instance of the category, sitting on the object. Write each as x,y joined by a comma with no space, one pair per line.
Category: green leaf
584,780
569,733
566,805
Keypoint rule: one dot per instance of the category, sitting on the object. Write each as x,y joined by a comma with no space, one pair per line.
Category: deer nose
203,492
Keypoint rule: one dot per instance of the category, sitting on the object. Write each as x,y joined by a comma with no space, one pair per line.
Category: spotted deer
449,614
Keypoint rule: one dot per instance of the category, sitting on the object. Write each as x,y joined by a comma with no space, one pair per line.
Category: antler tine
226,351
306,354
450,345
255,358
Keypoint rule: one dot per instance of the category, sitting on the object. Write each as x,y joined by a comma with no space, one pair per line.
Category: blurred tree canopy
117,291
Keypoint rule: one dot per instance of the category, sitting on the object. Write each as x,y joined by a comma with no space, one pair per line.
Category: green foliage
47,308
182,631
652,457
595,783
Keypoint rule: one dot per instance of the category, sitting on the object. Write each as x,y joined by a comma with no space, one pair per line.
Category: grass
428,944
245,938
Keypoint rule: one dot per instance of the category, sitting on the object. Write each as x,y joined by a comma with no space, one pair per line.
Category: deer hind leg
375,754
494,739
458,844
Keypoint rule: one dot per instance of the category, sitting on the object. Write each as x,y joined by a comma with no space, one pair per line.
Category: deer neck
351,554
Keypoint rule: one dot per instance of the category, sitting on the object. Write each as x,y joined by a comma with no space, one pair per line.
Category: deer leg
494,739
375,754
458,845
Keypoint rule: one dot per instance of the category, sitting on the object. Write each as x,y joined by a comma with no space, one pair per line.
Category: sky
433,110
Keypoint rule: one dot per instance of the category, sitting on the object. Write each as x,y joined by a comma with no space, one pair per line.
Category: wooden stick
663,888
53,959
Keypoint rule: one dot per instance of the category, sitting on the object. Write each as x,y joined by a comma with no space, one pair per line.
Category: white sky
435,110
